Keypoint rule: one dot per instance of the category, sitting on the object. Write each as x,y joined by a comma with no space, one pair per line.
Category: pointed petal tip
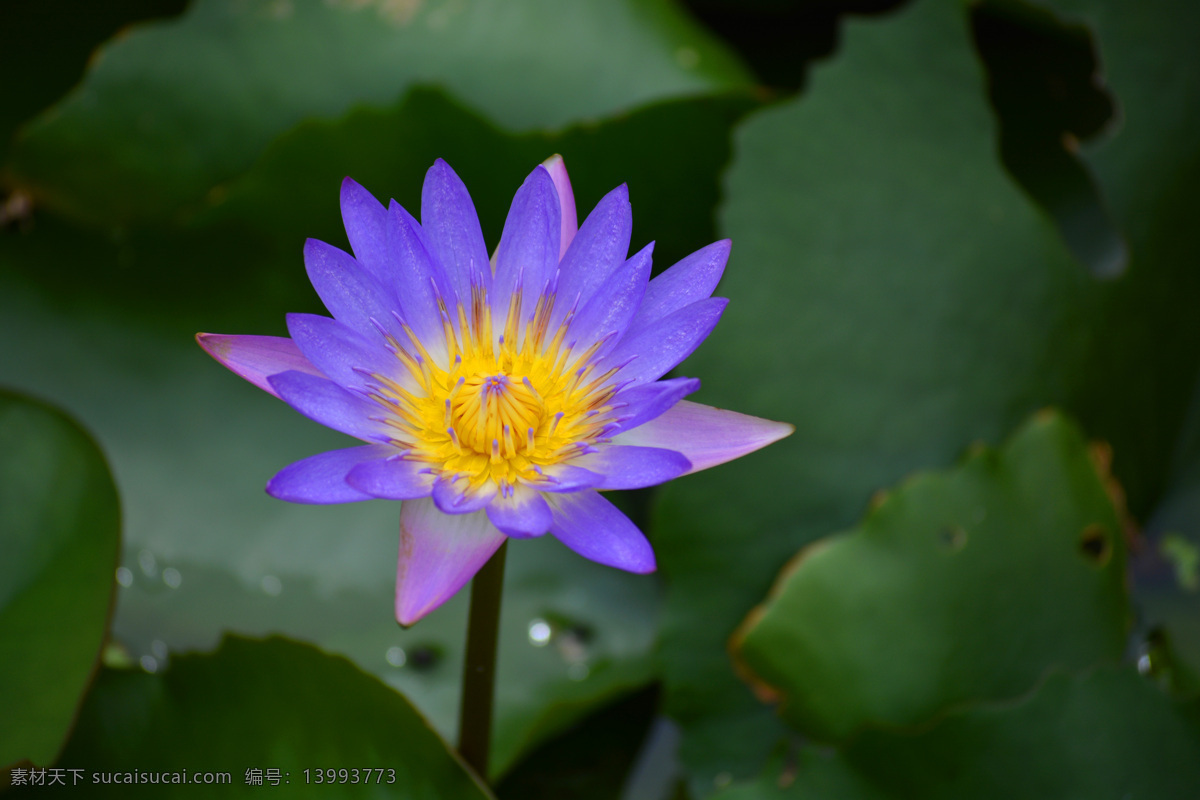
646,568
705,435
438,556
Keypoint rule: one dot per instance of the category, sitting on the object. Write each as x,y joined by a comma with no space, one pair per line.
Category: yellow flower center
502,408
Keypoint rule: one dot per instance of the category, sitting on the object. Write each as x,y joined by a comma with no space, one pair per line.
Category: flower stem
475,714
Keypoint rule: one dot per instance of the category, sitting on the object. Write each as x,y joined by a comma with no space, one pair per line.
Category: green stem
475,714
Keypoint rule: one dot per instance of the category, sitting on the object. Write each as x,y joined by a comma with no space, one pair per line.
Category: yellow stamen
500,410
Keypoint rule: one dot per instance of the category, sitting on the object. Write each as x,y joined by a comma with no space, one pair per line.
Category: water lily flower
497,397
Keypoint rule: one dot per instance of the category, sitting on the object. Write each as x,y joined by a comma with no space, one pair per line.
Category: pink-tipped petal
256,358
321,479
631,467
523,514
566,200
706,436
439,553
597,530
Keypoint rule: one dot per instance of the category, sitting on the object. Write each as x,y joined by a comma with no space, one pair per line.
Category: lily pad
1106,734
60,530
48,44
170,110
956,587
894,296
1148,167
262,705
897,297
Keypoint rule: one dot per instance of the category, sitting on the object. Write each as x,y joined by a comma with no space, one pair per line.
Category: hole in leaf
953,538
1095,545
1048,95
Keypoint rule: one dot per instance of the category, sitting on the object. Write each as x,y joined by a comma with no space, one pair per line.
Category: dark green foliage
60,525
947,218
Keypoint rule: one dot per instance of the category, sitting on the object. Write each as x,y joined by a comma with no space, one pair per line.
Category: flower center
497,408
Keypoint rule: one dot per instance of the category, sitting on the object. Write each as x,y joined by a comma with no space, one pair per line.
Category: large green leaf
1148,169
894,296
108,331
956,587
1107,734
1136,387
263,705
60,533
170,111
48,44
670,153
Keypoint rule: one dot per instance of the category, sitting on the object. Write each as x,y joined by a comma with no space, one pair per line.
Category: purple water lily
497,397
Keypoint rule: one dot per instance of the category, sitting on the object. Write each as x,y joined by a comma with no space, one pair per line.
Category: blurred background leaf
60,530
207,550
967,213
1108,733
48,44
898,297
269,704
173,109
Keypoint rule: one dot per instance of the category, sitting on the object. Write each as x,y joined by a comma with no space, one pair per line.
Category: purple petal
626,467
657,348
524,514
568,478
256,358
342,354
438,555
453,497
365,220
645,401
323,401
707,436
686,282
452,229
351,294
614,304
321,478
528,249
597,251
596,529
392,479
566,201
419,281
